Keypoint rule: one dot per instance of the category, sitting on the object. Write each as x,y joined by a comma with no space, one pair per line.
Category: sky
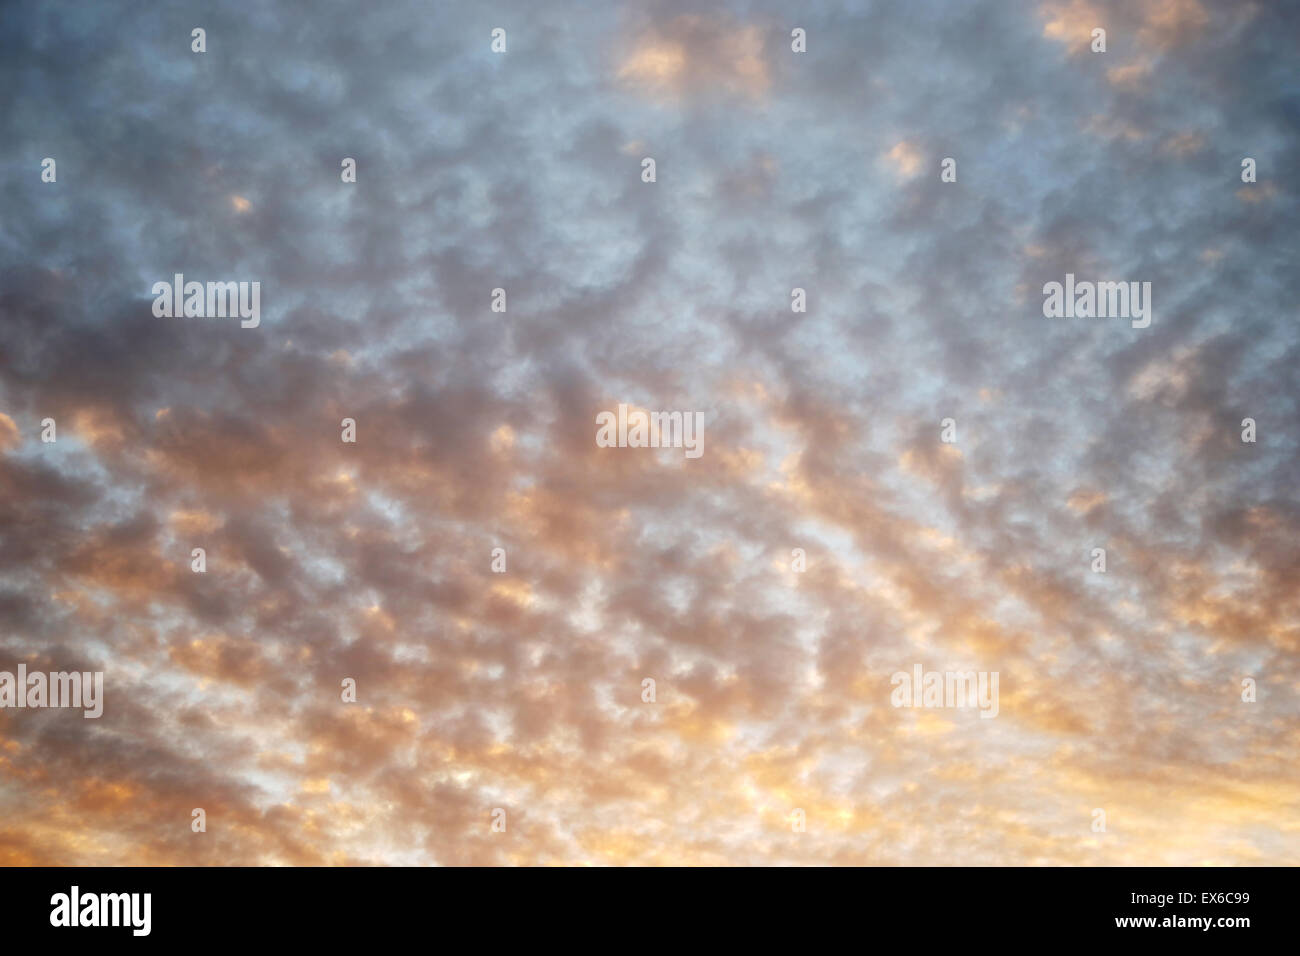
772,737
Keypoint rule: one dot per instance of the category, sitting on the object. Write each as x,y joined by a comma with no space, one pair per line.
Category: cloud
693,56
522,690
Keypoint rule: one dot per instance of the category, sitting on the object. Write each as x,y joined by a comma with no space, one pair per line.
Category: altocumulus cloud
523,689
